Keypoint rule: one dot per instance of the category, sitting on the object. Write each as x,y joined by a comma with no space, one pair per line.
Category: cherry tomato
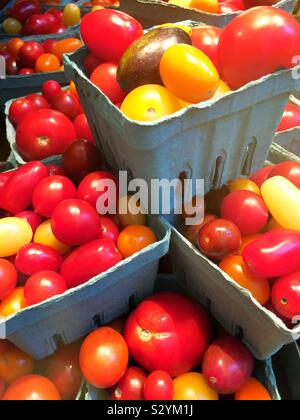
129,212
253,390
131,386
97,187
286,296
56,13
15,302
14,364
26,71
90,62
192,386
50,89
34,258
260,176
66,46
83,129
67,104
105,78
22,10
39,24
11,26
247,210
38,101
219,238
71,15
134,238
30,217
289,170
243,184
32,388
206,39
290,118
50,192
159,386
227,365
94,258
109,230
58,28
48,45
247,240
108,33
14,233
44,133
8,278
29,53
103,357
237,269
192,232
45,236
18,109
11,66
14,45
43,285
47,63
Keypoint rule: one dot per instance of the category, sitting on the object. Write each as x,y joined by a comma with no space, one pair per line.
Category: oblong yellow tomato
243,184
210,6
149,103
188,73
44,235
192,386
283,201
14,234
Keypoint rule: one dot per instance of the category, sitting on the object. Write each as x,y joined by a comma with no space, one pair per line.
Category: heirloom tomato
66,103
29,53
32,388
105,78
47,63
50,89
108,229
243,184
14,45
131,386
260,176
48,46
11,26
192,232
83,129
38,101
130,213
18,109
289,170
71,15
66,46
33,258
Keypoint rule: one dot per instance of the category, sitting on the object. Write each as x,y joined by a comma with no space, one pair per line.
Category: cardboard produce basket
290,139
232,305
155,12
64,319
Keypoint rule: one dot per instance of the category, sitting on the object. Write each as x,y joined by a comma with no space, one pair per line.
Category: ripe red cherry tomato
44,285
219,238
105,78
8,278
157,330
26,71
206,39
33,258
22,10
39,24
90,62
18,109
159,386
109,229
83,129
247,210
50,89
289,170
130,387
32,388
29,53
31,217
108,33
104,357
286,296
290,118
260,176
66,103
38,101
56,13
50,192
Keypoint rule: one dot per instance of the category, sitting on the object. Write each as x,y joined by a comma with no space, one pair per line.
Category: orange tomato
134,238
149,103
47,63
66,46
14,363
32,388
192,386
222,89
129,213
15,302
44,235
73,89
253,390
243,184
273,225
210,6
188,73
237,269
14,45
247,240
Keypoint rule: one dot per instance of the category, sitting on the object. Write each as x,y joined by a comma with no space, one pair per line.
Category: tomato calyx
145,335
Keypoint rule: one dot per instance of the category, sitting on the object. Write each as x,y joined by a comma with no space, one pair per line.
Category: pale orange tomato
192,386
47,63
44,235
253,390
135,238
14,303
243,184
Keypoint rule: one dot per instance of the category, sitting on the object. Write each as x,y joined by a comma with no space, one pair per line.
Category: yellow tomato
13,303
12,26
243,184
71,15
188,73
14,234
45,236
222,89
187,29
129,213
210,6
149,103
192,386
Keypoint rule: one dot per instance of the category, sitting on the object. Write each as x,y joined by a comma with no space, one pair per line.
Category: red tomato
44,133
4,177
103,357
286,296
39,24
50,89
247,210
22,10
159,386
259,29
227,365
75,222
160,336
93,258
290,118
66,103
206,39
130,387
83,129
18,109
192,232
289,170
44,285
56,170
50,192
274,254
48,45
29,53
90,62
26,71
56,13
260,176
109,229
18,190
8,278
219,238
33,258
108,33
58,28
38,101
11,66
32,388
105,78
31,217
95,185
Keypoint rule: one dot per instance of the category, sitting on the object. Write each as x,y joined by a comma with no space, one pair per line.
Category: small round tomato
66,46
243,184
188,73
247,210
44,285
97,187
253,390
26,71
56,13
22,10
108,229
219,238
14,363
14,233
131,386
15,302
29,53
290,118
192,232
14,45
260,176
206,39
237,269
159,386
50,192
30,217
286,296
50,89
11,26
103,357
39,24
45,236
38,101
90,62
153,101
130,213
47,63
289,170
83,129
48,45
33,258
32,388
11,66
8,278
66,103
192,386
135,238
105,78
18,109
71,15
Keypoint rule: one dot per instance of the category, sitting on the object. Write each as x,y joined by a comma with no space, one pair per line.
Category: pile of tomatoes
155,353
27,18
29,57
252,231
